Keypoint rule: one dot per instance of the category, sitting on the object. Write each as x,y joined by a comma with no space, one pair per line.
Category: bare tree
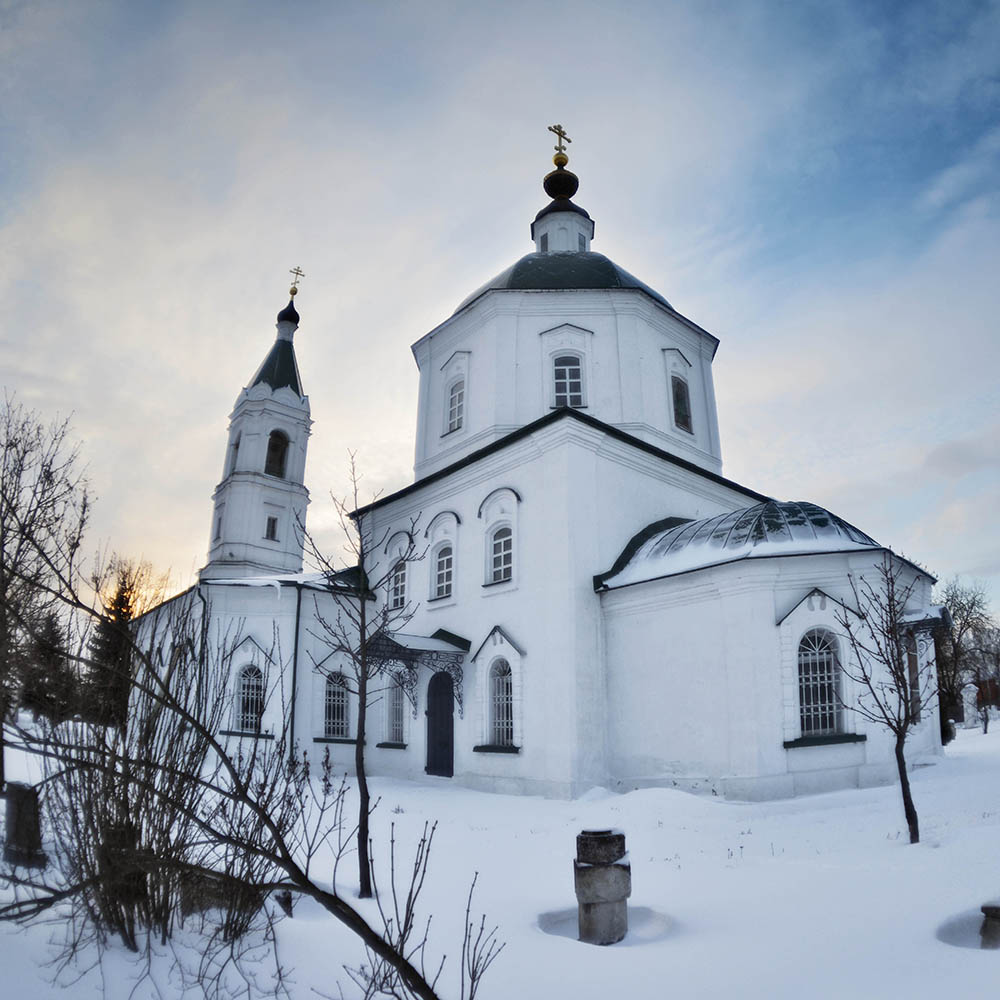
44,508
968,605
143,812
984,674
369,604
890,662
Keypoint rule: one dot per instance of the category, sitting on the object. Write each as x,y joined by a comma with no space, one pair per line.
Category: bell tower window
277,454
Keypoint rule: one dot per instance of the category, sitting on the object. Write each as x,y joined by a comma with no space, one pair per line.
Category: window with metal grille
456,405
682,403
913,676
277,454
501,705
335,719
819,684
568,375
502,555
394,712
249,700
397,586
443,566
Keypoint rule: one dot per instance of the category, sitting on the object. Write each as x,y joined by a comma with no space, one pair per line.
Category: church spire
562,226
280,369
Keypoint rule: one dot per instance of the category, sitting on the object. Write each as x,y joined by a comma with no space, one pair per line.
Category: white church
597,603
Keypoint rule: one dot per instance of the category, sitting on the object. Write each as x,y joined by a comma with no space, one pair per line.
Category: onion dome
289,313
769,529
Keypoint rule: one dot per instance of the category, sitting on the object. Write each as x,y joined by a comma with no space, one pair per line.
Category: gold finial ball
560,160
293,291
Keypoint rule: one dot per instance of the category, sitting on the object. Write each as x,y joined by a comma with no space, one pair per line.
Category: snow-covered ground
818,897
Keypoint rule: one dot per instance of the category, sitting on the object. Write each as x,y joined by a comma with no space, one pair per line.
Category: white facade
566,425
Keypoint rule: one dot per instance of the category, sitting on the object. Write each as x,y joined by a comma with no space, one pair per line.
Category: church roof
561,271
279,368
767,529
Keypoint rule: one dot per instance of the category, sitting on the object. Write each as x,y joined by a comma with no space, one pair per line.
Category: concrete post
23,843
602,877
990,931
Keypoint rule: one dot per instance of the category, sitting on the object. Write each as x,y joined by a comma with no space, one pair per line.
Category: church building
596,604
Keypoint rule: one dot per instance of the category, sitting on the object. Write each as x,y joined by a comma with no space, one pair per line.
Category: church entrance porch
440,726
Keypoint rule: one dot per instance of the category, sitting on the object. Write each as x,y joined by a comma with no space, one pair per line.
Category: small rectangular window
581,242
682,404
544,243
218,525
271,529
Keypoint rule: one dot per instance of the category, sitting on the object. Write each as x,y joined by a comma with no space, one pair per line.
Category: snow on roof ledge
764,530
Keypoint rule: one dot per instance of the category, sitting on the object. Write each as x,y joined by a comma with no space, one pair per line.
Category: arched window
568,381
501,555
277,454
444,562
336,722
682,403
501,704
456,406
396,585
819,684
249,700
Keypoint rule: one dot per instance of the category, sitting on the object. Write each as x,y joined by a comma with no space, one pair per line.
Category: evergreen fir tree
110,652
48,685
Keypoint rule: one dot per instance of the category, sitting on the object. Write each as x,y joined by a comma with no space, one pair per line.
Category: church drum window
271,529
443,571
249,700
336,724
501,705
277,454
682,403
568,380
456,406
396,585
501,555
819,684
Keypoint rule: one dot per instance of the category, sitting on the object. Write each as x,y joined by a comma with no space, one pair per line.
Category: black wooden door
440,726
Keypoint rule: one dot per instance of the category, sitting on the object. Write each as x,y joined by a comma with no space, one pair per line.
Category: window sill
457,430
686,430
450,598
390,746
499,583
822,741
248,734
334,739
566,406
495,748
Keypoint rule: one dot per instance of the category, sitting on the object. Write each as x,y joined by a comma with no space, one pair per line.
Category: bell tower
259,507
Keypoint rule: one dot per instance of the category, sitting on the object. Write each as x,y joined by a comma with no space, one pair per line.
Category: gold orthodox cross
297,273
561,135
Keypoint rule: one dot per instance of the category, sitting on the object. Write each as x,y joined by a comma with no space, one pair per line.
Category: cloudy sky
816,183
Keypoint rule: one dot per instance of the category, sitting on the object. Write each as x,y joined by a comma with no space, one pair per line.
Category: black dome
288,314
564,270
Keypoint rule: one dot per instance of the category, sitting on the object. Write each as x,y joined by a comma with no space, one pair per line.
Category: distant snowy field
818,897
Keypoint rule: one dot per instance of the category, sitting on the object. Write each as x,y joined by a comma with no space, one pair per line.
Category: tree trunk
364,864
904,785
